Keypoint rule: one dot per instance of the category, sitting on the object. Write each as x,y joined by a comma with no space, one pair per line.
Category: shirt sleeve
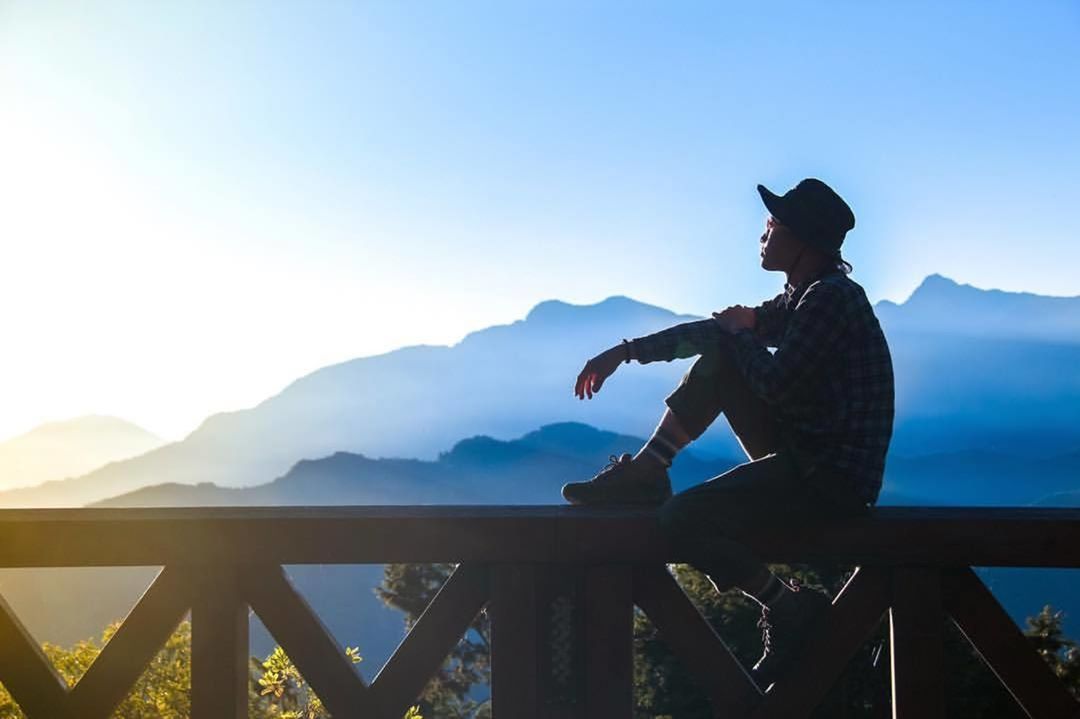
770,320
679,341
814,332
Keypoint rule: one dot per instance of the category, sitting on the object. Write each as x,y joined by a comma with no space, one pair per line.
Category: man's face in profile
779,245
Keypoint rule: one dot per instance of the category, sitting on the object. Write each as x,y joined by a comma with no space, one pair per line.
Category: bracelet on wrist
626,347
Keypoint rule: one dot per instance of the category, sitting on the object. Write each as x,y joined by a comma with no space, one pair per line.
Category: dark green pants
704,522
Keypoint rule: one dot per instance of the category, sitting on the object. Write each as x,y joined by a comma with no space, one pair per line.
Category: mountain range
965,383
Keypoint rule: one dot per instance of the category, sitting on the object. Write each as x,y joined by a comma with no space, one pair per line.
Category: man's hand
736,318
598,369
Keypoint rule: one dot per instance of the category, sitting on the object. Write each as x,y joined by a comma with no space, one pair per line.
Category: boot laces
610,470
766,632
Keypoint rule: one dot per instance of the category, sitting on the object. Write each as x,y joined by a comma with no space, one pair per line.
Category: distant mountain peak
935,286
88,423
70,447
943,305
558,310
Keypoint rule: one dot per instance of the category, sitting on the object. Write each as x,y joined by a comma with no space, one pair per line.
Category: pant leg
703,523
714,384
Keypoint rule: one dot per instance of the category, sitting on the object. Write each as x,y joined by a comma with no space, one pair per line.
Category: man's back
838,418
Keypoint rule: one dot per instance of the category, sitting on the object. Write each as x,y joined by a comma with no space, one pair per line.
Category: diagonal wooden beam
26,672
1004,647
431,639
694,641
856,612
122,661
308,644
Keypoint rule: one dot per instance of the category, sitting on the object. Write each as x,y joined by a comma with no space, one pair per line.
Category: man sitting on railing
815,417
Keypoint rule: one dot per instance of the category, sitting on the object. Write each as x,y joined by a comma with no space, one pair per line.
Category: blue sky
207,200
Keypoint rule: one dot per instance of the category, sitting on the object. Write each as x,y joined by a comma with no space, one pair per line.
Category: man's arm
814,331
677,342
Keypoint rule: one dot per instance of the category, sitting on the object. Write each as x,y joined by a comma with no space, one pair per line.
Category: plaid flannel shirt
830,380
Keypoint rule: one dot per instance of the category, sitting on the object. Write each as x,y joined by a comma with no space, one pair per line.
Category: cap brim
772,202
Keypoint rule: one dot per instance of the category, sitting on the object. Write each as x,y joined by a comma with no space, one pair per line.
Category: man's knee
675,517
689,515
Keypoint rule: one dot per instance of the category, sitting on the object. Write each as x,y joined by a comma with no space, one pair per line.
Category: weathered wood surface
941,537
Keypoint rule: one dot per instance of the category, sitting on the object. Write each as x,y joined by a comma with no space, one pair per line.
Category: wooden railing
559,584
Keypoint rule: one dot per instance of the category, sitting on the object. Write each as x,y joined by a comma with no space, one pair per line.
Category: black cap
818,215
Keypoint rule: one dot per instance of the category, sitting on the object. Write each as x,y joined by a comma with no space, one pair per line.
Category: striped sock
662,447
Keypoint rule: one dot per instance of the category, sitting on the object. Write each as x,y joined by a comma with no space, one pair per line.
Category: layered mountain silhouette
69,448
977,371
479,470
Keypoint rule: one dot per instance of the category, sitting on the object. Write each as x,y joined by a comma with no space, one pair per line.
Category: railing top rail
940,536
488,511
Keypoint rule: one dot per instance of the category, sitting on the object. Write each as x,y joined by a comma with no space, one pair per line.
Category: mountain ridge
506,380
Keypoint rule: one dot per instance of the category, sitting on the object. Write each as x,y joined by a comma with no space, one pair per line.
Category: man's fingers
582,381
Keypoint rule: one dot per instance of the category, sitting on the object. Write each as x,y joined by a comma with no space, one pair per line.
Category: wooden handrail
558,583
938,536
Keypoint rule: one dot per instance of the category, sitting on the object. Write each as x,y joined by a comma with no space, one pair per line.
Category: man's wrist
629,351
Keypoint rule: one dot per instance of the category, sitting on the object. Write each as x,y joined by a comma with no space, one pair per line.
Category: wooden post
609,641
515,640
219,645
917,623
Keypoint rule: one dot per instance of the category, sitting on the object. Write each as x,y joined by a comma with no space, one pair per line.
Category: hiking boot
783,632
624,481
